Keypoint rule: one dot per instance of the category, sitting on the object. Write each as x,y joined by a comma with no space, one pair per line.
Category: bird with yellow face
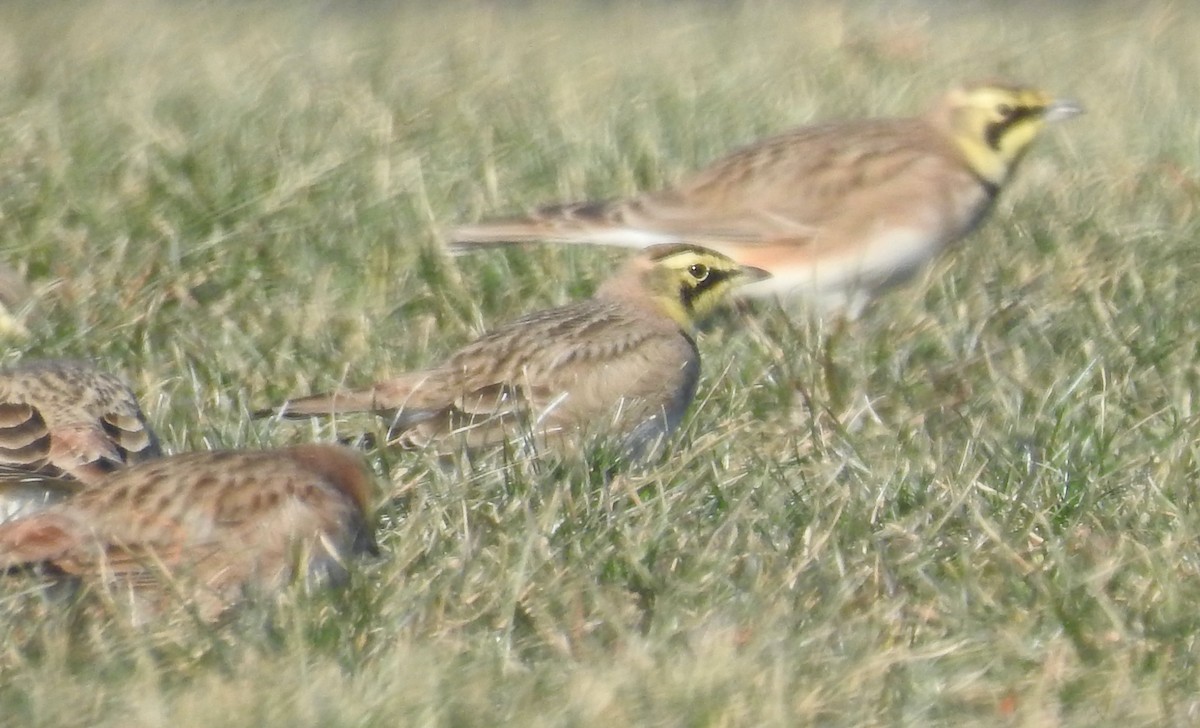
624,361
836,212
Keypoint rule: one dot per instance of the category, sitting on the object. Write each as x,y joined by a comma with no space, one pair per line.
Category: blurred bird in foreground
203,529
623,361
836,212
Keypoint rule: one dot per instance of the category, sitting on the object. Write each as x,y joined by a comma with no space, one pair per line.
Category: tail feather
328,403
498,233
598,223
403,393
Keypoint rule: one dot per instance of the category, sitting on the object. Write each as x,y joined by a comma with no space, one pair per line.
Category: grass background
974,506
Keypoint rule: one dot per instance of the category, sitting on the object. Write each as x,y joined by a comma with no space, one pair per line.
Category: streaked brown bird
203,529
624,361
69,419
836,212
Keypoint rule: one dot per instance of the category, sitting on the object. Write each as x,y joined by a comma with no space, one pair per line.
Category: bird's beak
752,274
1060,109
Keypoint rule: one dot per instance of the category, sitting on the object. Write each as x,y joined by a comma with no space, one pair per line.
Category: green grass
972,507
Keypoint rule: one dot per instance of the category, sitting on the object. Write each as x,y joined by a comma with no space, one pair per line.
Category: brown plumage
623,361
835,211
69,419
204,527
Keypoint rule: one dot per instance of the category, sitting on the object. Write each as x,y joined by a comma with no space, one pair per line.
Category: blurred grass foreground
971,507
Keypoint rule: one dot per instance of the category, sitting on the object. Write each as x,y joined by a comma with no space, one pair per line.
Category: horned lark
204,527
624,359
837,211
67,418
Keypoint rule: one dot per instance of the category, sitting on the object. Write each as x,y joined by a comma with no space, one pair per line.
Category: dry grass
972,507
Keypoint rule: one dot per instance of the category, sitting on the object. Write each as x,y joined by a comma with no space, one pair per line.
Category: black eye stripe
995,130
1022,112
714,277
690,290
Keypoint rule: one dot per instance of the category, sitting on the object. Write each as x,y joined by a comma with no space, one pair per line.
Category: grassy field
975,506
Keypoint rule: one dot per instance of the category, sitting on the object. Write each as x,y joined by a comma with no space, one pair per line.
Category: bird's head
686,282
994,123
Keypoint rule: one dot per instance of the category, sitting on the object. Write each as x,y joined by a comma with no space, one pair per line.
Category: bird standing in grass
64,424
622,361
203,528
836,211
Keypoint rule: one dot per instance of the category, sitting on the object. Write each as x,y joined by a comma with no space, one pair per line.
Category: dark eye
698,271
1005,110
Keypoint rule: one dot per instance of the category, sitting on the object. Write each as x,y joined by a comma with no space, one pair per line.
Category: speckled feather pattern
796,184
217,523
604,354
69,419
